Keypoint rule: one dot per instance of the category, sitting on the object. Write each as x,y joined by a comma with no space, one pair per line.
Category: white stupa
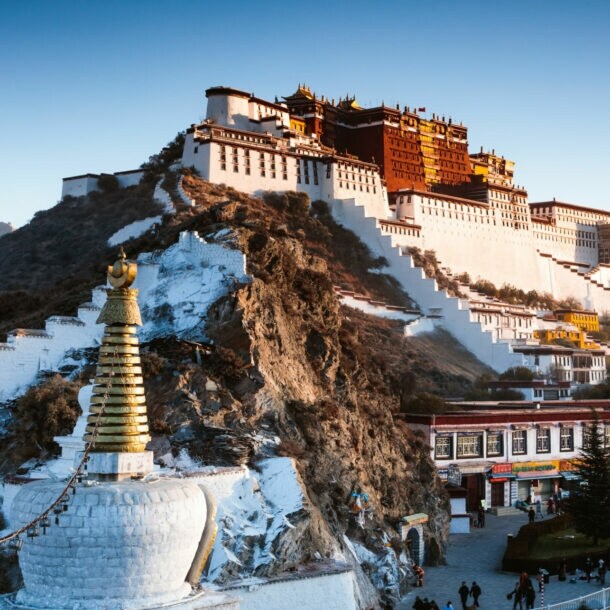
123,538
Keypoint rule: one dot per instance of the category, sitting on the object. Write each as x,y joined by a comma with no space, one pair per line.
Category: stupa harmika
129,539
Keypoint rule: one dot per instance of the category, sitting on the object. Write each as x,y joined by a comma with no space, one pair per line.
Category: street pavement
478,556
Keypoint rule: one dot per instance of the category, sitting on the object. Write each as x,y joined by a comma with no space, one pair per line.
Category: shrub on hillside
517,373
291,202
424,403
44,411
108,183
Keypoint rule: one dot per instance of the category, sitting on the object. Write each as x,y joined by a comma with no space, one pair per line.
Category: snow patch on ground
386,569
133,230
178,286
253,516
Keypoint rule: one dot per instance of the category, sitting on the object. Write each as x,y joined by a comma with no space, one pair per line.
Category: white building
510,451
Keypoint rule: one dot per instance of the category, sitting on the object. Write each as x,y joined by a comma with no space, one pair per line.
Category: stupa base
199,600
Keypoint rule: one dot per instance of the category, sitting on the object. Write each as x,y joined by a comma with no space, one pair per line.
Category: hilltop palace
401,181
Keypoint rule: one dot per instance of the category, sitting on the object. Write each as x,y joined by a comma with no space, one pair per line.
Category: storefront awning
498,479
570,475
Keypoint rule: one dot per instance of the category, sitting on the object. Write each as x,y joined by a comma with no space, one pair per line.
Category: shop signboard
454,475
535,470
502,469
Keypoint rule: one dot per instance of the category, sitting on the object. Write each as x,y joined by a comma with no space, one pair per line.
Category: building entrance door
497,494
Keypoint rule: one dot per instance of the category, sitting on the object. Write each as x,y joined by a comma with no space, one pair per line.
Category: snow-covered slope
177,286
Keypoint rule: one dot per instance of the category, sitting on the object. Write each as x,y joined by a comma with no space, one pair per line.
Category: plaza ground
478,556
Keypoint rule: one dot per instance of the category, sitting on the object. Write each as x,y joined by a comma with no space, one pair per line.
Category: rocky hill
6,227
284,367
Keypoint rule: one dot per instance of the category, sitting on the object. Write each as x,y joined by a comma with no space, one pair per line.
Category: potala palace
142,533
402,181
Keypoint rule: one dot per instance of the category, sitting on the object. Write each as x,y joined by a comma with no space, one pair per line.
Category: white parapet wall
79,186
424,291
328,591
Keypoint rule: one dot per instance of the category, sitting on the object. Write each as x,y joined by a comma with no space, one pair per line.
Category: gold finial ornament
118,391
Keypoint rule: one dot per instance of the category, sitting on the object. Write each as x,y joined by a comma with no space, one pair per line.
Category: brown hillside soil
49,266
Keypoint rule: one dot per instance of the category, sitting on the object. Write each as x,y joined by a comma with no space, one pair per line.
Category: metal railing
595,601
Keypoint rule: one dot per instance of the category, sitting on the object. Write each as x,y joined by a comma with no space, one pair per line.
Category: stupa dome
124,544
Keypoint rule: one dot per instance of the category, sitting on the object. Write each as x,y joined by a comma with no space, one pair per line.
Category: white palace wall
469,237
239,164
432,301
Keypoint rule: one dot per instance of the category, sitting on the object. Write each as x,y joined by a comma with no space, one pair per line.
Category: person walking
531,514
419,575
563,569
463,592
481,516
530,595
517,596
449,606
601,571
475,591
588,568
539,509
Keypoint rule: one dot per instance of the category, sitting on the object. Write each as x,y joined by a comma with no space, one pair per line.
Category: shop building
510,451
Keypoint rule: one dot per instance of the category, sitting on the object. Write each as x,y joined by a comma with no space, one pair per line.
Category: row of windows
491,444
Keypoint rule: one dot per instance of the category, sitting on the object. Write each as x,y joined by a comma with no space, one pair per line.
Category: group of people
464,592
425,604
601,570
524,592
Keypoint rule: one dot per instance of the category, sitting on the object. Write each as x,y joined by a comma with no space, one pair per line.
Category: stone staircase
453,316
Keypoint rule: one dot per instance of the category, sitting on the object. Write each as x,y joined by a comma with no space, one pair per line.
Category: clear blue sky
99,86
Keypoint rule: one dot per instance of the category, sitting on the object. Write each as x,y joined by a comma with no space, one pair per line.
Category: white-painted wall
79,186
330,592
453,316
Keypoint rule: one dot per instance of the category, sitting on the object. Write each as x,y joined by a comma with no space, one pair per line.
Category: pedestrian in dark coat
475,591
463,592
517,597
563,569
481,516
588,568
530,596
531,513
419,604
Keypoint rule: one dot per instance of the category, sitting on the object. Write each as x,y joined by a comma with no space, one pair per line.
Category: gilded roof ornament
118,391
121,307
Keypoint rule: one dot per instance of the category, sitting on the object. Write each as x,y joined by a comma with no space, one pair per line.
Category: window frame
522,436
451,444
462,436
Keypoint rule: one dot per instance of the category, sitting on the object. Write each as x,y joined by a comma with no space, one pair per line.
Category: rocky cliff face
286,369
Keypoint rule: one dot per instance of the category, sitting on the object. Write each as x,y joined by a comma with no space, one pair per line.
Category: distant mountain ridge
6,227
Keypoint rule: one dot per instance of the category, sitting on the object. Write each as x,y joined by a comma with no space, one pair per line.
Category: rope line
64,496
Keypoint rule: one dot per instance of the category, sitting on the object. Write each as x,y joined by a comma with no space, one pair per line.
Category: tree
590,505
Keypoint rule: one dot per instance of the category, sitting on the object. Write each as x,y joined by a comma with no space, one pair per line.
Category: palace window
470,445
587,432
519,442
494,444
566,439
543,440
443,448
607,436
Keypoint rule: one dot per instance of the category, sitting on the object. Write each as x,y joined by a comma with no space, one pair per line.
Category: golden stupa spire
118,392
